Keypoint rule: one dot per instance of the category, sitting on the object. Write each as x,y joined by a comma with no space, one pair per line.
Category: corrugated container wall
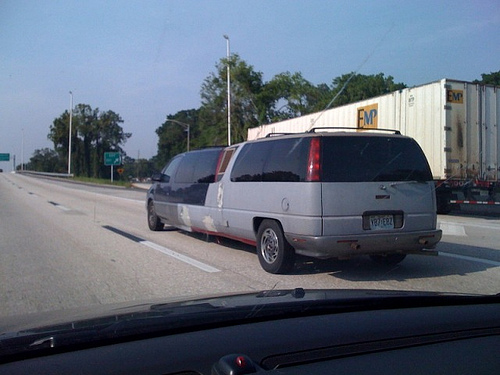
490,114
455,123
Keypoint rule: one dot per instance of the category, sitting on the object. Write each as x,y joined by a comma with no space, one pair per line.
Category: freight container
455,123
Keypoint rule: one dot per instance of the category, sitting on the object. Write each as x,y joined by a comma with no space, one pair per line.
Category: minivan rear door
375,183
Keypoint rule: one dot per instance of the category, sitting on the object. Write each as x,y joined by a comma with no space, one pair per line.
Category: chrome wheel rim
269,246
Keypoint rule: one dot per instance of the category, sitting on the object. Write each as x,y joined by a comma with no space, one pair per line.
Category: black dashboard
451,339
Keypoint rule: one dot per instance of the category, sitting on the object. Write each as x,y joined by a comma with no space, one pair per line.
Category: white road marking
60,206
471,259
63,208
182,258
452,229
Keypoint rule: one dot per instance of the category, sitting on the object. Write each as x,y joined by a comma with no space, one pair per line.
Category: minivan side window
224,162
364,159
272,161
170,169
198,167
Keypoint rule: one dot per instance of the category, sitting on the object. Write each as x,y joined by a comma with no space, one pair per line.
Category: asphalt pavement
66,246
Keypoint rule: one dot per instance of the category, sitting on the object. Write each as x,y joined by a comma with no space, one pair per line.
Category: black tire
388,259
443,206
154,221
275,254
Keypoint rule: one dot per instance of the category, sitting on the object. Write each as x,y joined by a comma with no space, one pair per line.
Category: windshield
97,97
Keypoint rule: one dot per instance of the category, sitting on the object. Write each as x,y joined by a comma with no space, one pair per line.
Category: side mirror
159,177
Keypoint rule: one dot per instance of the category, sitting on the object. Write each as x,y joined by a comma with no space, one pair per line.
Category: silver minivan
321,194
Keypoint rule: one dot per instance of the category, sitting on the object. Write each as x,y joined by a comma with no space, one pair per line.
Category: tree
172,135
249,104
255,102
292,95
490,79
108,136
46,160
137,169
93,133
350,88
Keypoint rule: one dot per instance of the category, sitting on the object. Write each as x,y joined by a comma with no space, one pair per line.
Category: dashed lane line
60,206
183,258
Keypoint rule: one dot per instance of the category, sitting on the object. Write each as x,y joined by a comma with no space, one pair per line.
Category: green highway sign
112,158
4,157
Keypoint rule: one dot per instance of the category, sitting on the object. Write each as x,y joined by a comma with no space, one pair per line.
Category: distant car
322,194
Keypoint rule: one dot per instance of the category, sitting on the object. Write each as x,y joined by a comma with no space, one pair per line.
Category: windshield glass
97,97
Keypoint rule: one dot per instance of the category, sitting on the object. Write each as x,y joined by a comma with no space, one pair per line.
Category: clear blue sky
147,59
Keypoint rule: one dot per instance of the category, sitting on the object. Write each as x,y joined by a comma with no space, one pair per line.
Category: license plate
380,222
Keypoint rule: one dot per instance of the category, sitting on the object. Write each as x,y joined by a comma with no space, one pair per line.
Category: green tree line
254,102
93,132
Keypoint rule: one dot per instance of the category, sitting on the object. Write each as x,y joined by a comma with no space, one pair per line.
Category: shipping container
455,123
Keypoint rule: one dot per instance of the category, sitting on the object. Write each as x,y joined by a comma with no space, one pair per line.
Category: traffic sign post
112,159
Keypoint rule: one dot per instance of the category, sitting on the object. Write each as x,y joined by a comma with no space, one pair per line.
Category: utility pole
69,136
22,150
228,93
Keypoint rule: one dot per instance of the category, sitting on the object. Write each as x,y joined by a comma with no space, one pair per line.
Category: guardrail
48,174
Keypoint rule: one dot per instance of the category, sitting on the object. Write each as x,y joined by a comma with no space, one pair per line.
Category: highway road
66,245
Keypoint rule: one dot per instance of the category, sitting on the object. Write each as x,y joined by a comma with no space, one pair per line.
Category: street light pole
186,126
228,93
22,150
69,136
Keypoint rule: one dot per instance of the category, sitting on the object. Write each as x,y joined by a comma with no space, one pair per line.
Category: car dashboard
445,339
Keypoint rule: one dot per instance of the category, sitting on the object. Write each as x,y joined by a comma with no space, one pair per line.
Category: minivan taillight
314,160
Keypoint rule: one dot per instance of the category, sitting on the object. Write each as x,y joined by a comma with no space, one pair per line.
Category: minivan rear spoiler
315,130
269,135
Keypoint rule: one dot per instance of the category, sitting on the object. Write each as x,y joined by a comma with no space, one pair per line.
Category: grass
102,181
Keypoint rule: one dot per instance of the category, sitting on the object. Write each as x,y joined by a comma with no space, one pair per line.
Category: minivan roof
336,132
204,149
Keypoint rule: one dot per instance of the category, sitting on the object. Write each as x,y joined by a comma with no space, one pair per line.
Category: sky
147,59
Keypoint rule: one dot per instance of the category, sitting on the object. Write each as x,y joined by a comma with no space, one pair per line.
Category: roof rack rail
314,130
269,135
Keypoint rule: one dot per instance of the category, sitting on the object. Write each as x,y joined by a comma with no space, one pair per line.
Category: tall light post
186,126
69,136
228,93
22,150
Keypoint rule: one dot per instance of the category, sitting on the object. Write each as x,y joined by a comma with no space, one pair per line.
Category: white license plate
378,222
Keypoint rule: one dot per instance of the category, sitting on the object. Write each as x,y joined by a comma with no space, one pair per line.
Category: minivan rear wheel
154,221
388,259
275,254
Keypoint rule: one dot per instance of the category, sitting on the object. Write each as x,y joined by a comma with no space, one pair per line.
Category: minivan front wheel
154,221
274,252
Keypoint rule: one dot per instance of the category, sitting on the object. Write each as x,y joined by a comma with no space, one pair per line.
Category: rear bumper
363,244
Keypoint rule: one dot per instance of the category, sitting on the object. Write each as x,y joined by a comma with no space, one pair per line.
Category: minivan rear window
276,160
364,159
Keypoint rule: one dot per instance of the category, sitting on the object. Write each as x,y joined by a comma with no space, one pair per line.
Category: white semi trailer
455,123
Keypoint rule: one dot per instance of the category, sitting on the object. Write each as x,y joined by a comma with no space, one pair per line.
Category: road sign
112,158
120,170
4,157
